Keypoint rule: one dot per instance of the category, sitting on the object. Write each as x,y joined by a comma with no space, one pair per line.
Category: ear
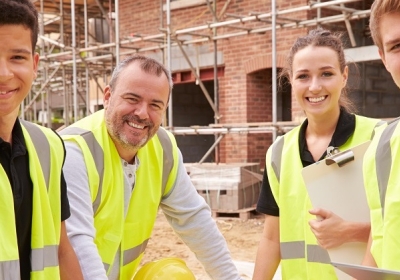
382,55
107,96
345,75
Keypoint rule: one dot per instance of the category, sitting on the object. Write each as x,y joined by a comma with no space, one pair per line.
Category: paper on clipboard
341,190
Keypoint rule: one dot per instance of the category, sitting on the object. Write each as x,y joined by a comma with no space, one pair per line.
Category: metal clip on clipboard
340,158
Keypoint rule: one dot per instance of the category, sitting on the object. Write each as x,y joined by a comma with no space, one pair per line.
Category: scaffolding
72,55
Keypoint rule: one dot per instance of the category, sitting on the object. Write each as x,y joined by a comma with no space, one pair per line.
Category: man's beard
124,138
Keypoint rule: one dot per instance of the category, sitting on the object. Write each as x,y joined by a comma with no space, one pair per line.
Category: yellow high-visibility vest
301,257
154,178
45,165
382,183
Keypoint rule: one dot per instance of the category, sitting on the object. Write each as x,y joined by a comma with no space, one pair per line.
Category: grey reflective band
276,157
317,254
168,158
98,157
9,270
296,250
293,250
133,253
42,145
106,266
383,161
97,153
377,125
44,257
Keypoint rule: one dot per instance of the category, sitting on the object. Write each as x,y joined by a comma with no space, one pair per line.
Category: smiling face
18,67
317,81
134,108
391,44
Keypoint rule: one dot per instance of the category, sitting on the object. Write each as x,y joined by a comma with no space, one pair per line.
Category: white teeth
316,99
135,125
5,92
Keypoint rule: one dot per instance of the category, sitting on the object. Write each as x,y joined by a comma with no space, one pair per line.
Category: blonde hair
378,9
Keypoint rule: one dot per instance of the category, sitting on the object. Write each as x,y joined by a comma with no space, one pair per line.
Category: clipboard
367,273
336,184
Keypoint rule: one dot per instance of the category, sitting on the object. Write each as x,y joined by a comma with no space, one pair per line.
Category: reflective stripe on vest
98,156
295,250
44,257
132,254
276,156
168,159
41,144
383,159
9,270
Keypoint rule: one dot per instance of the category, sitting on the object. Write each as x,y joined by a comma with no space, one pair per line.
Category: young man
120,167
382,159
34,204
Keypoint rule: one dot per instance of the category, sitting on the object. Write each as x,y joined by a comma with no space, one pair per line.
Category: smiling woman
292,236
317,82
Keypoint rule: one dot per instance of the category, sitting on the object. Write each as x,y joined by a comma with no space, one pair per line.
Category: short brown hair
378,9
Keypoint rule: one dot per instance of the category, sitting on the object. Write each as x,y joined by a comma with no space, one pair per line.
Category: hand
328,228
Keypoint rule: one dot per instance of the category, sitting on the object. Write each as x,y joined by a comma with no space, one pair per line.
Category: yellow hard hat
165,269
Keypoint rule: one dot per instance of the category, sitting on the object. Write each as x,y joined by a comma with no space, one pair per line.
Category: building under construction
225,56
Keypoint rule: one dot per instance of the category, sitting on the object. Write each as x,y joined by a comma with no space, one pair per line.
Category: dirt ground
242,238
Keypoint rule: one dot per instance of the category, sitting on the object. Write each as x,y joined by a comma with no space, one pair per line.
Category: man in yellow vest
121,165
382,159
34,203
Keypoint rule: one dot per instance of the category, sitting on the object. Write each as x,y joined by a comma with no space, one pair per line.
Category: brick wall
245,88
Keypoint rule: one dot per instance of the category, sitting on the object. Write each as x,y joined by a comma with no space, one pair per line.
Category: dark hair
147,64
378,9
320,38
20,12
